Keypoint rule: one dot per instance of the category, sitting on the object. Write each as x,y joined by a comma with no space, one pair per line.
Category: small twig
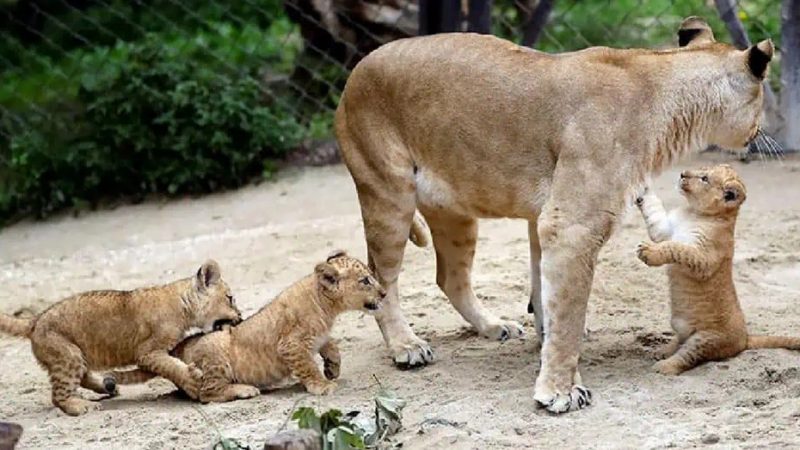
291,412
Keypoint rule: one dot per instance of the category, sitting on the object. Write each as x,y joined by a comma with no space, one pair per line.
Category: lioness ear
694,30
208,274
758,58
327,275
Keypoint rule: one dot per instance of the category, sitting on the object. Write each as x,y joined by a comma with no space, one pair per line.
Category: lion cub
280,341
697,243
109,329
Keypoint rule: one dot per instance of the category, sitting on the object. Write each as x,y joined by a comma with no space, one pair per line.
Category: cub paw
77,406
110,385
666,367
321,387
647,252
331,369
243,392
644,190
192,385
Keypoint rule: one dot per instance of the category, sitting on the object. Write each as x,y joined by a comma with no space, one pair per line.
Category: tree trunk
790,73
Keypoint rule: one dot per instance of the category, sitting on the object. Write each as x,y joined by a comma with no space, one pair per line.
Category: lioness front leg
159,362
296,353
331,360
572,229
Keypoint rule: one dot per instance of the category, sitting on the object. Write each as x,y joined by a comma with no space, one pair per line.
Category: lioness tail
419,231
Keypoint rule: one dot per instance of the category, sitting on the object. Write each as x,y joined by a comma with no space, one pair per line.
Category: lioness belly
479,198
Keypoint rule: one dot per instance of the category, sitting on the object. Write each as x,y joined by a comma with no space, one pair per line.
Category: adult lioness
462,126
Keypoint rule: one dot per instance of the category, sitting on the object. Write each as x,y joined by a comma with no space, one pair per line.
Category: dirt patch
479,393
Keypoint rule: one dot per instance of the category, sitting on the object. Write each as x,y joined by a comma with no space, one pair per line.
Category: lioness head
713,191
738,87
349,283
212,301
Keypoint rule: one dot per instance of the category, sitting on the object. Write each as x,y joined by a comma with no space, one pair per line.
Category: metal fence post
441,16
790,73
479,17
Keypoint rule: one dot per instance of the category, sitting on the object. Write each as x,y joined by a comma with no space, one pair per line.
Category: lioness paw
577,398
503,330
321,387
413,353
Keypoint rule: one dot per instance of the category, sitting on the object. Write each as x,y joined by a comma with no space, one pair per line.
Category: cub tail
16,326
790,343
419,231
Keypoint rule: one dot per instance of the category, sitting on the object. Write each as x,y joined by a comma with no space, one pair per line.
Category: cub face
713,191
349,282
739,86
215,305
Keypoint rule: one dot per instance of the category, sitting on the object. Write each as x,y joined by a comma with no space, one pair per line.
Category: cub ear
694,30
208,274
327,275
336,254
758,58
733,194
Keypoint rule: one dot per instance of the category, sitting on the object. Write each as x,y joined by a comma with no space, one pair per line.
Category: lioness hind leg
454,240
388,204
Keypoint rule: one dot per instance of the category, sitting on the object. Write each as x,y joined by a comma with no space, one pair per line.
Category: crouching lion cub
281,340
696,241
108,329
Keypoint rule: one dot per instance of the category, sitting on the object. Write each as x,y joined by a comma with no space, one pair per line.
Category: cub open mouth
371,306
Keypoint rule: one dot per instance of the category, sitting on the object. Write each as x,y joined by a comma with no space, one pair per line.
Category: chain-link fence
124,98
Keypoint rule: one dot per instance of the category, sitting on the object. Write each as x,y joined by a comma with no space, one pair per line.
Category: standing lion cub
697,243
108,329
280,341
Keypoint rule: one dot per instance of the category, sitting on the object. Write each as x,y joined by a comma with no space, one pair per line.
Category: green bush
168,114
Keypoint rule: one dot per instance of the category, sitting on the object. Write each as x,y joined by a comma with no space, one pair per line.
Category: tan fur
108,329
279,342
697,242
463,126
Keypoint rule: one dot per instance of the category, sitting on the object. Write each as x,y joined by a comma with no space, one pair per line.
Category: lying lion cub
108,329
697,242
281,340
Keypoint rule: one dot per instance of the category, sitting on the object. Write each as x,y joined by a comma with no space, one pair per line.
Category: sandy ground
479,392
